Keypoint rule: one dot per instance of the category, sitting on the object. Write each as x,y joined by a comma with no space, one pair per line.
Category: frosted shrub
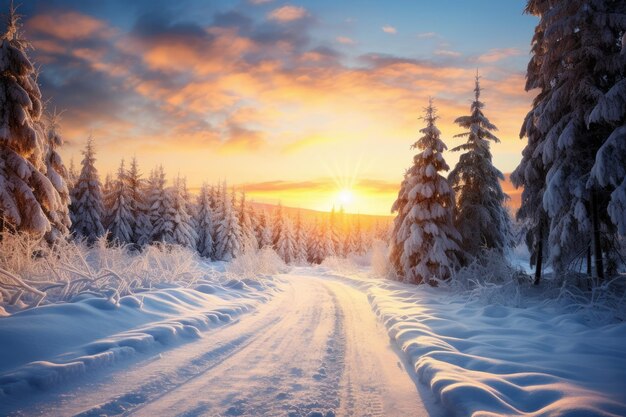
255,264
379,258
32,272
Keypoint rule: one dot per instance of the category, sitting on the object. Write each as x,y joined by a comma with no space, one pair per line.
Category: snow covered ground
317,341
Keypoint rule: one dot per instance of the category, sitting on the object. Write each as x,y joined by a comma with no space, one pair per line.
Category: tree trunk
589,259
597,246
539,259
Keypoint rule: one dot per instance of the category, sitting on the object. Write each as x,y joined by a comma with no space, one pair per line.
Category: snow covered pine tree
424,245
579,115
481,217
87,207
29,201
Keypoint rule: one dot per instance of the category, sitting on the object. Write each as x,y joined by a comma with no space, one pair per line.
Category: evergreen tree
301,251
335,232
424,241
248,238
72,175
531,172
118,216
286,244
157,200
87,207
318,243
29,201
204,220
228,233
578,61
178,223
57,174
141,226
277,225
264,231
481,216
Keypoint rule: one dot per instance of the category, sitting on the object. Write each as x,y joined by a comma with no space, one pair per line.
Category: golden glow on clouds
222,105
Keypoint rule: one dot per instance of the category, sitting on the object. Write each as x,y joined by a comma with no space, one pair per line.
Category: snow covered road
315,349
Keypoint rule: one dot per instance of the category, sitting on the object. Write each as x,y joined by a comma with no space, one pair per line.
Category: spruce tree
481,216
179,227
204,220
579,61
157,200
57,174
87,207
29,201
228,233
424,241
286,244
248,238
141,226
301,253
118,216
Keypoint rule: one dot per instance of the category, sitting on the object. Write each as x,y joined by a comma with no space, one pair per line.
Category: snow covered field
317,341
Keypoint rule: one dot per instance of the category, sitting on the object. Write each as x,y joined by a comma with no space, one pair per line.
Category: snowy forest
487,309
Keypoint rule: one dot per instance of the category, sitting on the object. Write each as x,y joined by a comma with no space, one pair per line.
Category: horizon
252,91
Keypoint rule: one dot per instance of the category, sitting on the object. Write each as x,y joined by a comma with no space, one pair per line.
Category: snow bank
482,360
157,298
49,344
490,346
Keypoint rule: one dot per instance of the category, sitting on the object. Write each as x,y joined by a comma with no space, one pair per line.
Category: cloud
495,55
278,186
300,144
68,26
257,2
288,13
389,29
345,40
447,53
426,35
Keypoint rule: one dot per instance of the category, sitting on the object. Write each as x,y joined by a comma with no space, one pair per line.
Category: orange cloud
69,26
287,13
495,55
345,40
389,29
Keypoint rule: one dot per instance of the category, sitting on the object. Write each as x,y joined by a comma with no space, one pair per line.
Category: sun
346,196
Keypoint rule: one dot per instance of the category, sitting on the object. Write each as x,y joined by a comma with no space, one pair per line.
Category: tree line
219,223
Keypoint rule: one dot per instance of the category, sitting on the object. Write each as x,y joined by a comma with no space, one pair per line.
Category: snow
254,337
46,345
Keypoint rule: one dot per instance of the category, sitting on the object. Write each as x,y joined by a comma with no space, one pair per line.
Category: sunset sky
311,103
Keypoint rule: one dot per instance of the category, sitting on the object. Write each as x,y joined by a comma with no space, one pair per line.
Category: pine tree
87,207
579,62
28,198
264,231
141,226
179,228
481,216
335,232
72,175
57,174
318,243
157,200
424,242
118,216
277,224
204,220
228,233
248,238
301,254
286,244
531,172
